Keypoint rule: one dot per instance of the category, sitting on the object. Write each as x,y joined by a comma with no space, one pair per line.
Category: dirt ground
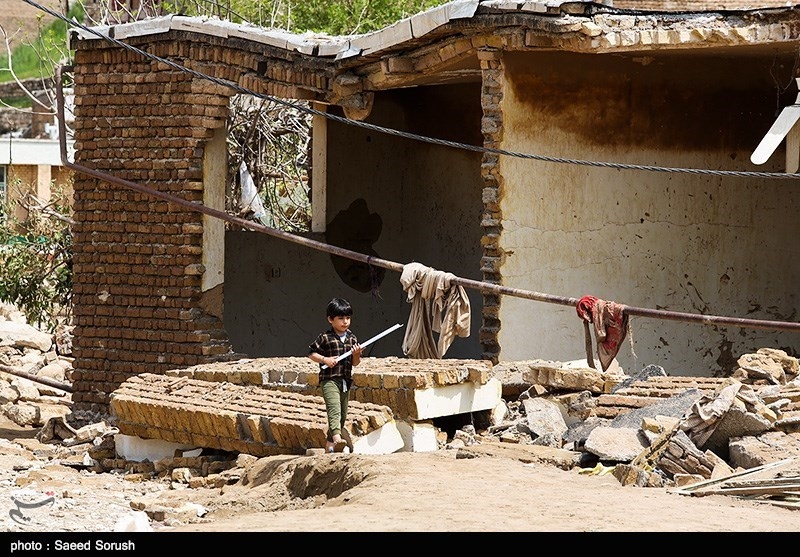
400,492
435,492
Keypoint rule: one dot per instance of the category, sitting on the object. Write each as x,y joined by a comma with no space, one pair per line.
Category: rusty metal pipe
31,377
485,287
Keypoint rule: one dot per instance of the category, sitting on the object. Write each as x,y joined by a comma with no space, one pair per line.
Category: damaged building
591,152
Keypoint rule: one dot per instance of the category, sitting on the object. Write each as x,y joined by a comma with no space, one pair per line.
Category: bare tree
270,138
273,142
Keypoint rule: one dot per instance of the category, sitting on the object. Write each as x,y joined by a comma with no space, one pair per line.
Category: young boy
335,377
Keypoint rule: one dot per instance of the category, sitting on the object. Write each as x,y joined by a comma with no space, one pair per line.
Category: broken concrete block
385,440
542,417
687,479
632,475
418,436
757,450
736,422
616,444
138,450
454,399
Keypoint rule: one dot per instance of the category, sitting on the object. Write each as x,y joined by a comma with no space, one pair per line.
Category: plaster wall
215,172
393,197
673,241
36,165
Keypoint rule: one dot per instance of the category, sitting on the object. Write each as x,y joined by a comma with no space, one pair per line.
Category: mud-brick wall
138,259
492,218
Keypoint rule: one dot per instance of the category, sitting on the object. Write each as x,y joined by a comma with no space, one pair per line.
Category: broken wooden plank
762,490
698,488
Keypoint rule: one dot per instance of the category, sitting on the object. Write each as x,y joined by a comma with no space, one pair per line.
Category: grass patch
17,102
39,57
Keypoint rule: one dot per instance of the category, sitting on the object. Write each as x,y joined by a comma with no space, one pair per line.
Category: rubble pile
648,429
653,430
35,370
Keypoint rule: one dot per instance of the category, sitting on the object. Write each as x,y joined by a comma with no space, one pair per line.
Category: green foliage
346,17
38,56
17,102
36,258
340,17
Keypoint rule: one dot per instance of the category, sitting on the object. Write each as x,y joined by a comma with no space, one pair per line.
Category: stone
615,444
542,417
24,335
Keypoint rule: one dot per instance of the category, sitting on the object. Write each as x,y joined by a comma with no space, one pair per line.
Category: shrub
36,256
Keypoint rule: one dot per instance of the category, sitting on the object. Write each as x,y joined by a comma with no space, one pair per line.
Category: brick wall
135,305
491,262
138,259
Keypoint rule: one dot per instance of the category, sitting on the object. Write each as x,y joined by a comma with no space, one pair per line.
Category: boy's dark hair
338,307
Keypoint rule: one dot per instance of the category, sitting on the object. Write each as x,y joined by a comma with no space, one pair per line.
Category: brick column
137,259
492,126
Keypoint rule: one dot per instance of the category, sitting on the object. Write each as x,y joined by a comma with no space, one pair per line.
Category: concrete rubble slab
385,440
418,436
618,444
450,400
274,405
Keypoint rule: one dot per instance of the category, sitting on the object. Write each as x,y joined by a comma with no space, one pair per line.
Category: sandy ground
351,494
436,492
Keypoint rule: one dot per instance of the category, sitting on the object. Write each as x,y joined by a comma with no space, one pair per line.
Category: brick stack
391,382
230,417
645,392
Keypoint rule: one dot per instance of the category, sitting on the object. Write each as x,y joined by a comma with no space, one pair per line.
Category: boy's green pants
335,404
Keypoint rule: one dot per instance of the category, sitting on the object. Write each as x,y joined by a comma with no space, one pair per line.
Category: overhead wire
481,286
413,136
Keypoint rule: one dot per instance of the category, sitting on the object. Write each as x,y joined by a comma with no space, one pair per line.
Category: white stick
367,343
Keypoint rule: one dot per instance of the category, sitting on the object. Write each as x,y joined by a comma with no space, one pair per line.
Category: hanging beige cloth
436,306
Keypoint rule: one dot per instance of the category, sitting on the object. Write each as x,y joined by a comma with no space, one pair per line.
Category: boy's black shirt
329,345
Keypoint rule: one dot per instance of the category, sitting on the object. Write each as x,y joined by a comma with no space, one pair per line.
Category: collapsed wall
230,417
273,406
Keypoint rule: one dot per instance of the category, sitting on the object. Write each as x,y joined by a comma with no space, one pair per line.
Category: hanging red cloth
610,326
